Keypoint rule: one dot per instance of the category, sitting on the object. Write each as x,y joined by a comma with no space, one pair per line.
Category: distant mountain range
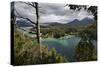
74,23
83,22
23,23
51,24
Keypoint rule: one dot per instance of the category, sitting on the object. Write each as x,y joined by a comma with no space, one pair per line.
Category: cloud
52,12
25,10
82,14
52,18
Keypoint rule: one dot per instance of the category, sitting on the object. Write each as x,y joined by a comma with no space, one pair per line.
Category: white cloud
25,11
52,13
82,14
52,18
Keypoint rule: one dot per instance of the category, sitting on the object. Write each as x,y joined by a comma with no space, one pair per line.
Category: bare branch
31,4
31,21
25,18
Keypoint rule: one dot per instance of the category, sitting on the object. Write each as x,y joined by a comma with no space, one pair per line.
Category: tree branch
31,4
25,18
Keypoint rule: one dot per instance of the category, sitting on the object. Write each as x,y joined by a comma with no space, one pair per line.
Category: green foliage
90,31
58,34
51,56
27,51
52,32
85,51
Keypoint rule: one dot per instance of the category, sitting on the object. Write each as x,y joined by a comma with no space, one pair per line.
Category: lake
64,45
25,31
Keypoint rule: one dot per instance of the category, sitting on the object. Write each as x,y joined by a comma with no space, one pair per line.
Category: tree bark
37,21
38,30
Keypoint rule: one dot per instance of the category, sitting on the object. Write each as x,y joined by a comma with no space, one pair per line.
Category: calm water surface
64,45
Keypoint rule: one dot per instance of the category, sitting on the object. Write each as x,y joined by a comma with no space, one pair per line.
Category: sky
51,12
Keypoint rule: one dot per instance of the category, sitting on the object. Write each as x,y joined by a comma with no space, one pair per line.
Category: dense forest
27,51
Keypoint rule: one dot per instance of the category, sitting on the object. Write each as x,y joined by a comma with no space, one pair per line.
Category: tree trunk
38,30
38,25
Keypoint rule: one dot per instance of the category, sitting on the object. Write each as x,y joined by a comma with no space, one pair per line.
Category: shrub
27,52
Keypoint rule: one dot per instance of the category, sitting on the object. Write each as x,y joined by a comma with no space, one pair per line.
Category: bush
85,51
27,52
58,33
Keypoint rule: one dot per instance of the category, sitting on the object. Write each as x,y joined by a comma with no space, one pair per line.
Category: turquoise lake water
64,45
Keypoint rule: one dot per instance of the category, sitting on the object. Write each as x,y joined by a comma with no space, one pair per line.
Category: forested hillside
27,51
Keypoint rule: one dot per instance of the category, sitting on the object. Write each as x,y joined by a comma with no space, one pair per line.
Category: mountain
23,23
74,23
55,24
83,22
52,24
